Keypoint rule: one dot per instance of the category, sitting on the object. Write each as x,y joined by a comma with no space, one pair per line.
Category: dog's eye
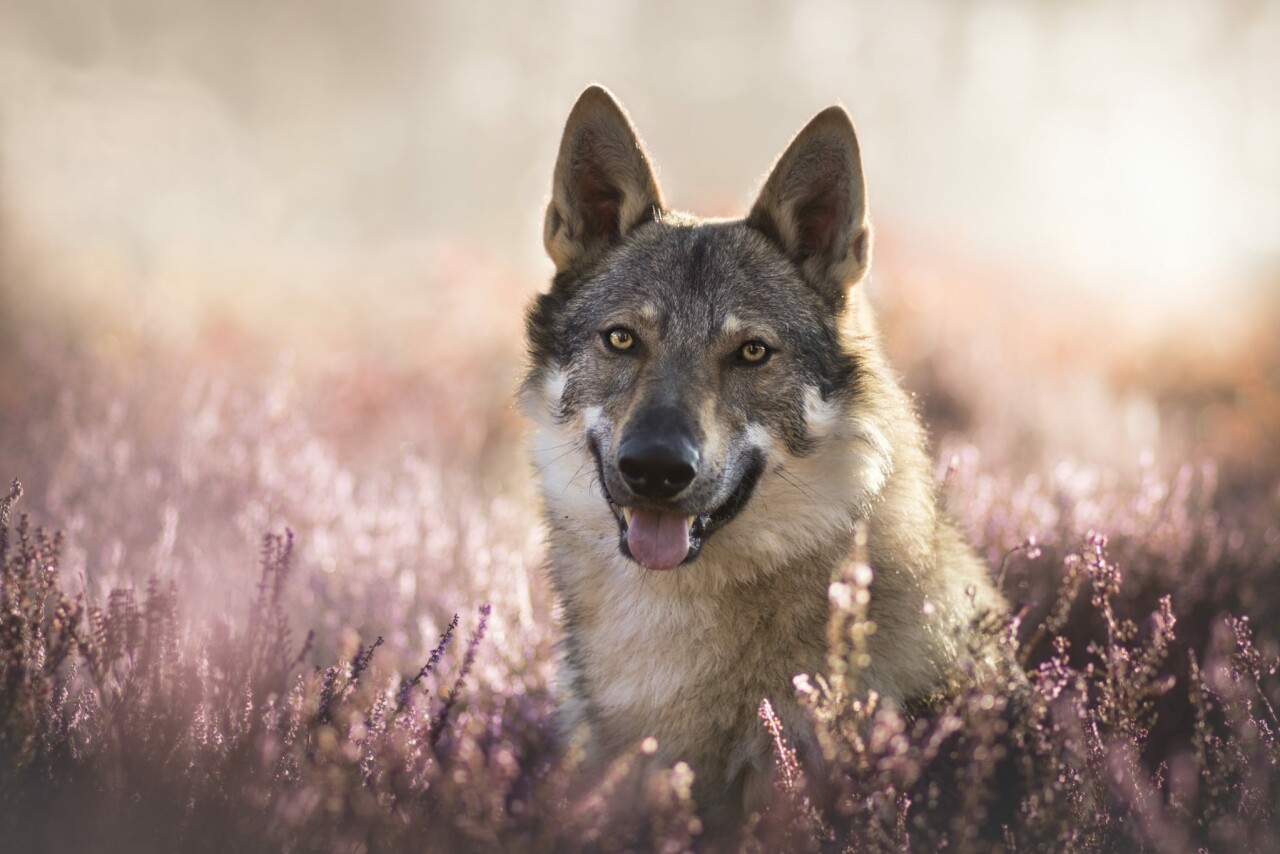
619,338
754,353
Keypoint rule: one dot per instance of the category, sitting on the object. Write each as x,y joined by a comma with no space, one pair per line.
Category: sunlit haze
1124,150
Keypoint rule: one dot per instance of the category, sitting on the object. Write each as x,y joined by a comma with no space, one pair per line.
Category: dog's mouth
660,538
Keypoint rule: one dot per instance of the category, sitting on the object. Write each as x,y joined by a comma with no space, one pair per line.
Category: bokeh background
264,265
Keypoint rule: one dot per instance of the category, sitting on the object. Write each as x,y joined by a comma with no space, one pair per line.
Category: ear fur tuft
814,205
603,186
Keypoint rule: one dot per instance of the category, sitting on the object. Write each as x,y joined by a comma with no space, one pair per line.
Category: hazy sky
1126,147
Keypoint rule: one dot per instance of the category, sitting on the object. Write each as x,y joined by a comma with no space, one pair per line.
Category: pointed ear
814,205
603,185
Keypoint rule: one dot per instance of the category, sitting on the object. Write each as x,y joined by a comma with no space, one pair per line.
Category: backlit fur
686,655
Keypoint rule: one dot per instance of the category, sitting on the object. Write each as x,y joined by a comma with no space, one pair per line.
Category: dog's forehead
709,275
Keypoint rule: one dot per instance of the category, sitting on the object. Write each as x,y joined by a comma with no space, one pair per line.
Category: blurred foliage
263,271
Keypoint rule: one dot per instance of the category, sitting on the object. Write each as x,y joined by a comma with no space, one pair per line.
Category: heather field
271,565
255,605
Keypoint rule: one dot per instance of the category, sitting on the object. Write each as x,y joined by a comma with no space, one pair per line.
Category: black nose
658,466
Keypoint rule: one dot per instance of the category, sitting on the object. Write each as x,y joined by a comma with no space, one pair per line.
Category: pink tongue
657,540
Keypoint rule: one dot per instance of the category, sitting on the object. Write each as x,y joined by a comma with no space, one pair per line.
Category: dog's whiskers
576,475
555,447
576,446
796,485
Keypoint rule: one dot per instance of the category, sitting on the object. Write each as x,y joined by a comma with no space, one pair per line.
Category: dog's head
683,369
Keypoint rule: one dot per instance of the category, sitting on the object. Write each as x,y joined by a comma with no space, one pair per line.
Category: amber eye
753,353
619,339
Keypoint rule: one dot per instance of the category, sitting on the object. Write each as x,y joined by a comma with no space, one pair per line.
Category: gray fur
686,655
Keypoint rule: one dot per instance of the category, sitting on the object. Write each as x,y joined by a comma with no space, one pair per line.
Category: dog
713,416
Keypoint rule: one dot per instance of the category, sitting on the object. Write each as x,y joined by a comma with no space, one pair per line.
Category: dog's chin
701,526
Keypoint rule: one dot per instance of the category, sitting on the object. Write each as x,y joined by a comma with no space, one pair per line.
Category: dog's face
678,366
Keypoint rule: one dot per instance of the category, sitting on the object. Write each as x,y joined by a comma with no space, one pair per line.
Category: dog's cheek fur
567,483
541,398
806,498
558,447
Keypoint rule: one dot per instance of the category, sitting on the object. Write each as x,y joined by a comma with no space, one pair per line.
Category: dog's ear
814,205
603,185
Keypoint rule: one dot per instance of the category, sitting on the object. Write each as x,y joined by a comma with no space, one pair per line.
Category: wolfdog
714,415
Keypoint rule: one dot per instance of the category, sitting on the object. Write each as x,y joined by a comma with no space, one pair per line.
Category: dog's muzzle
660,537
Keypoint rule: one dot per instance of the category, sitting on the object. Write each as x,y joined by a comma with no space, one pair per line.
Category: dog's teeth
626,514
689,520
